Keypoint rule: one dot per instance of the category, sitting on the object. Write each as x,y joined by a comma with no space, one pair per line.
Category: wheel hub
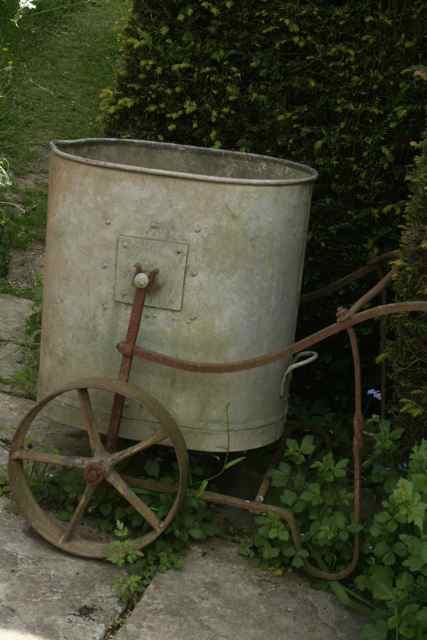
94,473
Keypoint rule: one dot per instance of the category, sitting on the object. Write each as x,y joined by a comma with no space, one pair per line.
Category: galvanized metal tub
227,232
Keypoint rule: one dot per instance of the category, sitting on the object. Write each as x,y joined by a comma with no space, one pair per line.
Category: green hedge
317,82
408,350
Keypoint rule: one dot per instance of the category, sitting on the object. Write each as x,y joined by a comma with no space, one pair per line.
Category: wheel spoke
50,458
78,513
158,437
140,506
89,420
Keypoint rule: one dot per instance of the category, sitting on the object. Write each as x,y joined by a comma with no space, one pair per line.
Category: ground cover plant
313,480
390,583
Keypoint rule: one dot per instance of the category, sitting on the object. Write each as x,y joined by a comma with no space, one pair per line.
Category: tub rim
55,147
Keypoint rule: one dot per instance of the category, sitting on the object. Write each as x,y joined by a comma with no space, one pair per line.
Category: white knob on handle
141,280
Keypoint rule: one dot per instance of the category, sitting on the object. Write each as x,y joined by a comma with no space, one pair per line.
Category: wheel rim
101,467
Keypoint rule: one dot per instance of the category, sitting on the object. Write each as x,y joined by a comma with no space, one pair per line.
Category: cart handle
300,360
300,345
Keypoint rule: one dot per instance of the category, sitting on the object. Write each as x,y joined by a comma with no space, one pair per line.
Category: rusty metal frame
100,467
347,319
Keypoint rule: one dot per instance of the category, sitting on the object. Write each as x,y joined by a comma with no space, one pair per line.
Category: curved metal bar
296,347
358,426
301,360
368,296
350,278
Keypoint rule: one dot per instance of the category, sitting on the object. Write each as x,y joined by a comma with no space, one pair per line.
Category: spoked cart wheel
98,467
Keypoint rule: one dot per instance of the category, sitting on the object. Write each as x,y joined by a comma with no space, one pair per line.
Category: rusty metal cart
158,424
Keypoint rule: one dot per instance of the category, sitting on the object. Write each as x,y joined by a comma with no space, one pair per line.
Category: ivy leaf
381,582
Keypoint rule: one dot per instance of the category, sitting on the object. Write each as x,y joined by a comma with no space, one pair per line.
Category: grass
64,53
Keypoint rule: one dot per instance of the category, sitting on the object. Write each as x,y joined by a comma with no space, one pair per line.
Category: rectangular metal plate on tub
170,258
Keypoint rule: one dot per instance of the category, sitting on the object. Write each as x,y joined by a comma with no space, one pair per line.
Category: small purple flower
374,393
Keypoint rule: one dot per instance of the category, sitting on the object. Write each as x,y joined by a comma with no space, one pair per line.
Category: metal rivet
197,228
194,274
107,222
125,245
105,266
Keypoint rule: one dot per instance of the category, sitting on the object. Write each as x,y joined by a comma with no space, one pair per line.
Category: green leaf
65,516
307,445
283,535
318,145
202,488
288,497
233,463
375,631
422,618
382,582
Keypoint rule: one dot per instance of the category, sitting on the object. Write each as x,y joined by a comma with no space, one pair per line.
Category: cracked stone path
219,595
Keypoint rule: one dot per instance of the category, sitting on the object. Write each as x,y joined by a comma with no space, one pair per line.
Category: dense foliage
317,82
408,349
391,577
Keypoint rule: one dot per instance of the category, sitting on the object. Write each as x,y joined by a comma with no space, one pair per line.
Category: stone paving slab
26,265
13,316
221,596
48,595
11,359
13,409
